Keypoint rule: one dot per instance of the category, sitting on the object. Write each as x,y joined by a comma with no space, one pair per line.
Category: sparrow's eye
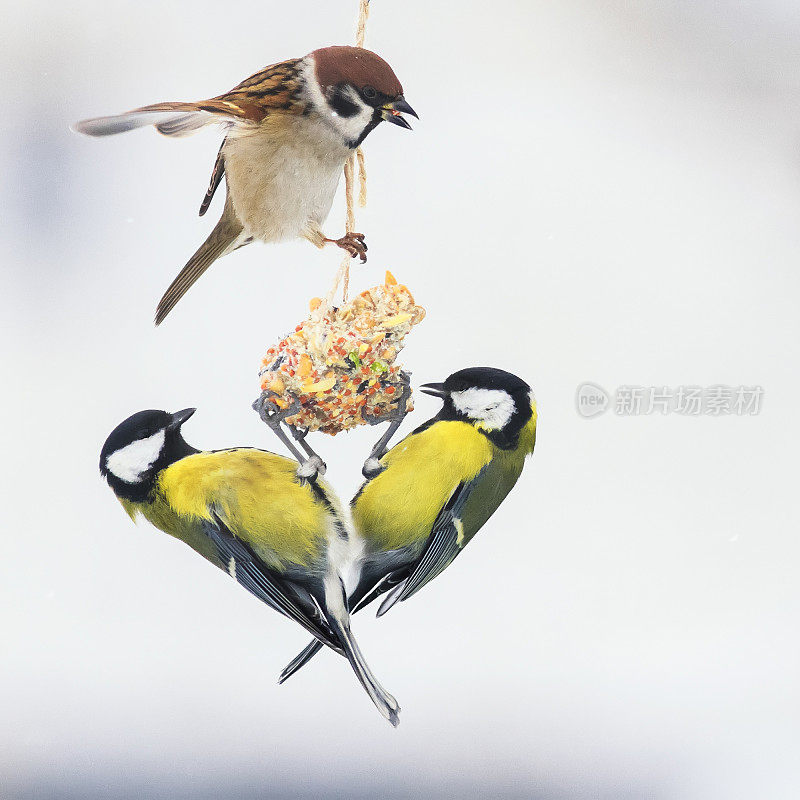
368,93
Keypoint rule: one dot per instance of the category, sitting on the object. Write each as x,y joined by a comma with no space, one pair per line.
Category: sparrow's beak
179,417
392,112
435,389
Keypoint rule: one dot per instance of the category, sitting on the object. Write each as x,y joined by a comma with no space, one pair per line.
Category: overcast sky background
595,191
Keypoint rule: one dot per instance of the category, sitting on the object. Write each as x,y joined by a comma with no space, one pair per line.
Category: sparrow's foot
372,468
354,244
311,469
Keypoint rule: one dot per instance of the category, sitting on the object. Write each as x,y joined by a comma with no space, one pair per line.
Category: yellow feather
399,506
256,494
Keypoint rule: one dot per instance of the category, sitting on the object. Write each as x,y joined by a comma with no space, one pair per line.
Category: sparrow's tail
227,236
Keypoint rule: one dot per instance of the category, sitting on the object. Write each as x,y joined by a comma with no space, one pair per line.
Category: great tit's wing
275,89
444,544
389,583
251,572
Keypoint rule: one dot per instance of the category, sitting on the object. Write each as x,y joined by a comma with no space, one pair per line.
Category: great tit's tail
227,236
339,621
312,648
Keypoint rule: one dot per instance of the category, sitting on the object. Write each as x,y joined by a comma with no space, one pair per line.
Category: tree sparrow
289,130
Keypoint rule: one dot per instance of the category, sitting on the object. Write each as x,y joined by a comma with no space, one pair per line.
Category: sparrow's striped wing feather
274,89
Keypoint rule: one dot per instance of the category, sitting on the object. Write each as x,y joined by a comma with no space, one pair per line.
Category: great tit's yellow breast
398,507
256,494
160,515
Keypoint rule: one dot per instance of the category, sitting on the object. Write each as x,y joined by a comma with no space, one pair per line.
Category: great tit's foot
354,244
311,469
372,468
299,434
271,413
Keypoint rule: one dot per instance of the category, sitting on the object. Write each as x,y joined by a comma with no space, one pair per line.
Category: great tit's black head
138,448
360,89
495,401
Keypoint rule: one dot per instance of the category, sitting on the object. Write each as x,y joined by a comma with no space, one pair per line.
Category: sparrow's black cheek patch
342,104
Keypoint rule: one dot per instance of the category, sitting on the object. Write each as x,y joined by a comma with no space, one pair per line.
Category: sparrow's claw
354,244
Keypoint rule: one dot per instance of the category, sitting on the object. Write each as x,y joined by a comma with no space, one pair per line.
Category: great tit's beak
179,417
435,389
392,112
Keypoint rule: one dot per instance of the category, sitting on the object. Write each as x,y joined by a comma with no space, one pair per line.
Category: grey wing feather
166,122
185,124
254,576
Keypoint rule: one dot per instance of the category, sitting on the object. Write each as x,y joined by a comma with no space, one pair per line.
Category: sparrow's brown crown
356,66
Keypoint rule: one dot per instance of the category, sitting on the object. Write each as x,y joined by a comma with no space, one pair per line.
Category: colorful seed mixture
339,364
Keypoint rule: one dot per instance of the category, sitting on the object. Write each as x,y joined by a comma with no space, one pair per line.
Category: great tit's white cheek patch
129,463
493,407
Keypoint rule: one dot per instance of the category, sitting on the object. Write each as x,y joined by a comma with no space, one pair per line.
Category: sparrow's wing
276,88
216,177
251,572
444,544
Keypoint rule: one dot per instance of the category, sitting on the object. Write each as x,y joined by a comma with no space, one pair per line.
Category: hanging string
362,174
361,25
343,273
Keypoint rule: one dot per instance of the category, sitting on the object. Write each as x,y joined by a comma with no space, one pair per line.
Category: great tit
438,486
282,537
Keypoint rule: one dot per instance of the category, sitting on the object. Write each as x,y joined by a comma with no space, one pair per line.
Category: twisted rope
357,158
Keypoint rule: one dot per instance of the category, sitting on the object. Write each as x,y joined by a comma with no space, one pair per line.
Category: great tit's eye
368,93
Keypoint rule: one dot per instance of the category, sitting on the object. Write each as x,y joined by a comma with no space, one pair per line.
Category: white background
602,191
